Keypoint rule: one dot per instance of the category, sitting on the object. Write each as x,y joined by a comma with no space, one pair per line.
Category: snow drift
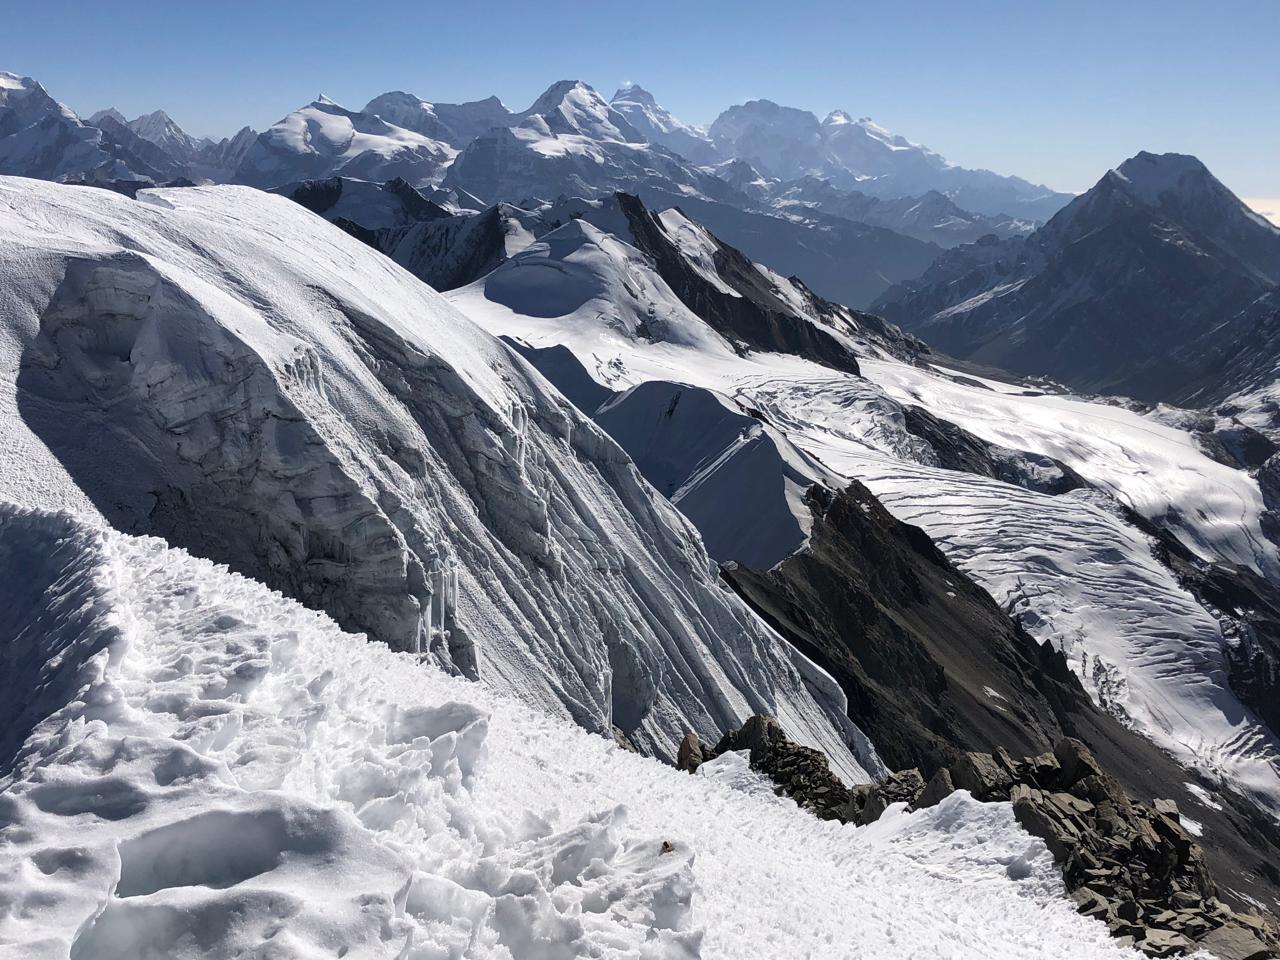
209,769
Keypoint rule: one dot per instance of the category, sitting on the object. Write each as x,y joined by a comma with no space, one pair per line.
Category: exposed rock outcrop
933,669
800,773
1130,864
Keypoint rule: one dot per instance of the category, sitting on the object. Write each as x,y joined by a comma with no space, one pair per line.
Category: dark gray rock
689,756
936,790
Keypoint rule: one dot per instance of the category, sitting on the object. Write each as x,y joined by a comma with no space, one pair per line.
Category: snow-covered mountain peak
159,128
454,123
15,85
788,143
325,138
98,116
1177,180
633,93
575,108
28,96
657,125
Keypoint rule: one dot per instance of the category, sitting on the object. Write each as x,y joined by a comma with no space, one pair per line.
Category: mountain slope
220,367
1042,527
931,217
571,142
1121,292
656,124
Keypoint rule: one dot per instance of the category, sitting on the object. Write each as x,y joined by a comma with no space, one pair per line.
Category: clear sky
1054,91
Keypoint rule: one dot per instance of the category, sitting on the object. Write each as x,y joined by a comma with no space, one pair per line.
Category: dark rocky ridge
958,449
756,318
933,668
1129,864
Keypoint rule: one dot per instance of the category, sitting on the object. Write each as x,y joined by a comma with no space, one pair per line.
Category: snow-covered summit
789,143
455,123
573,107
40,137
324,138
1152,174
657,124
159,128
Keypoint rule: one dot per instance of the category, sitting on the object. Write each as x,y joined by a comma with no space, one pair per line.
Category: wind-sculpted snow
216,771
224,369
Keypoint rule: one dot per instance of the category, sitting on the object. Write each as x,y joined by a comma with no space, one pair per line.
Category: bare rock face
689,757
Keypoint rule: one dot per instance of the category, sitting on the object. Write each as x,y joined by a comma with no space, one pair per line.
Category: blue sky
1055,92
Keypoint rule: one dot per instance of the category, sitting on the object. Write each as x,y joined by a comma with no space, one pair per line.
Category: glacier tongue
272,394
209,769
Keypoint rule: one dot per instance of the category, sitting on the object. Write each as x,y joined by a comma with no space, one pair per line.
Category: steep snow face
1077,573
719,465
208,769
158,127
572,107
323,139
219,366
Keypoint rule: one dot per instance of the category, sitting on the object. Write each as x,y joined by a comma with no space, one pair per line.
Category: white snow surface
207,769
1070,566
323,139
220,366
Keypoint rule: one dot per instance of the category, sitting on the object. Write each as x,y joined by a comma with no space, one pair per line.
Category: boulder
1232,941
689,756
1076,761
936,790
982,776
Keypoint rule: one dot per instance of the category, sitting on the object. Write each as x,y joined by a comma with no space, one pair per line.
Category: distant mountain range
872,207
1150,285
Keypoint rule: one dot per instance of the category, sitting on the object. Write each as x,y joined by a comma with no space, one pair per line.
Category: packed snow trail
214,770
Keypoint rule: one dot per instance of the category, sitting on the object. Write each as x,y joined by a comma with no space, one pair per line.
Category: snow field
219,771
